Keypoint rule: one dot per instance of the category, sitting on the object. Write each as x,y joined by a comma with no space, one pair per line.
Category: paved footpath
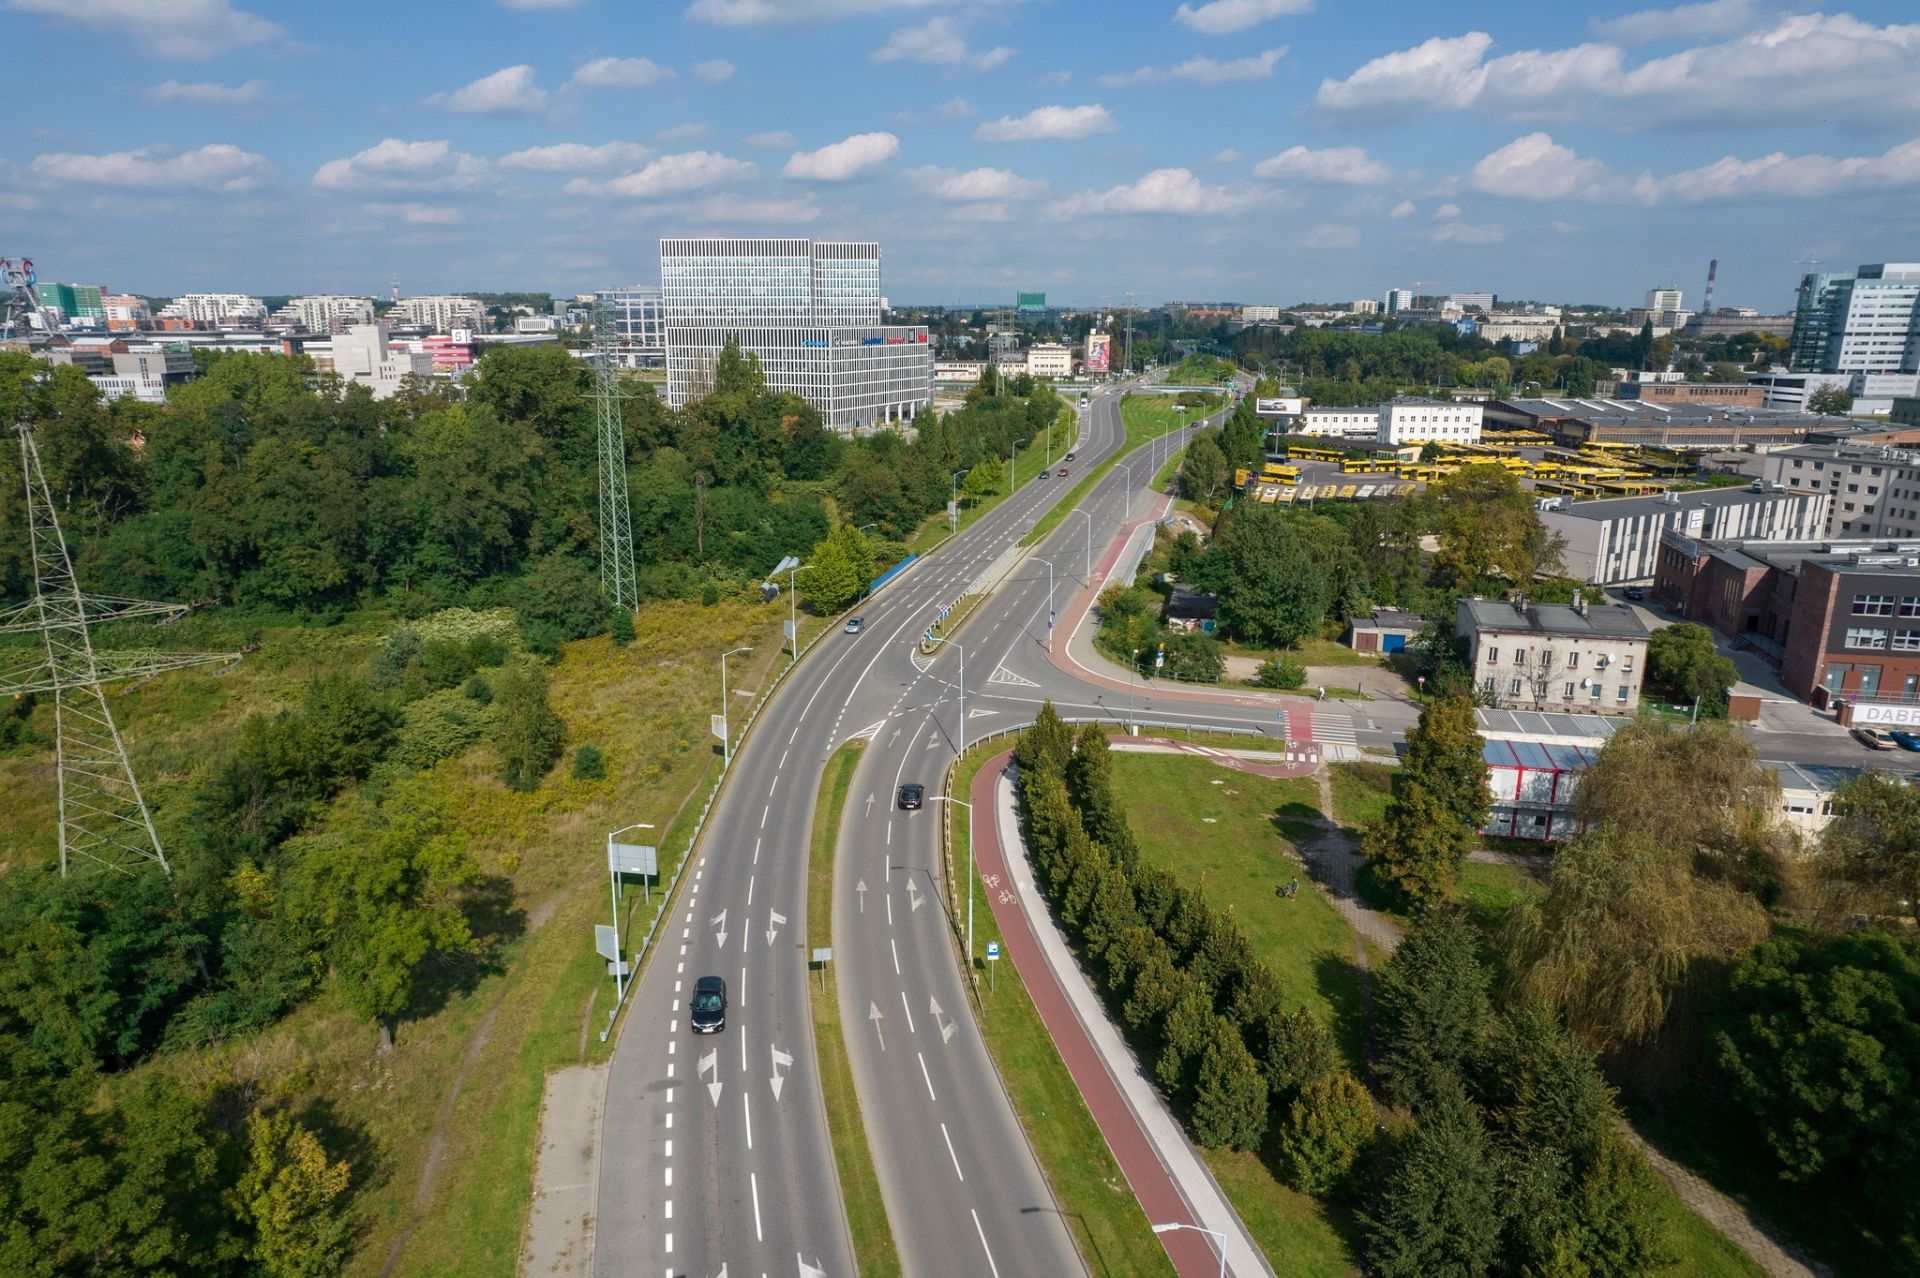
1165,1173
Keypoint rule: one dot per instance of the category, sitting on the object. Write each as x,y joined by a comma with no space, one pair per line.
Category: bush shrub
1325,1132
1281,673
588,765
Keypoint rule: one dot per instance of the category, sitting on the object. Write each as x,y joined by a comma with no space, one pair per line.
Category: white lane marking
669,1215
774,786
676,990
669,1149
679,968
950,1154
889,911
669,1244
683,950
992,1268
756,851
896,955
670,1067
909,1010
746,1104
750,889
763,815
753,1183
672,1043
669,1177
669,1125
783,761
923,1074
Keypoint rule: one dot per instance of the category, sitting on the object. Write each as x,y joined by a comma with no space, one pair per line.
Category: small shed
1533,784
1189,609
1385,630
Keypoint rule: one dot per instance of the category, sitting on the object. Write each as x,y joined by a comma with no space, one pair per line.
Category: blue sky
1249,150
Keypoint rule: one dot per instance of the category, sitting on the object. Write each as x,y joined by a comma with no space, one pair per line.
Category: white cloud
1799,63
1446,212
975,184
1203,70
187,29
419,214
954,109
778,140
620,73
670,175
1056,122
1224,17
508,91
1714,17
173,92
1338,165
778,212
1226,156
1330,236
992,211
575,157
768,13
847,158
715,70
394,164
1404,208
1462,233
1161,191
1535,167
217,167
940,44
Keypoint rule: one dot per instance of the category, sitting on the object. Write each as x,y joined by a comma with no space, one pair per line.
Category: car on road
708,1006
853,625
1905,740
1634,593
1069,457
1873,738
912,797
1063,472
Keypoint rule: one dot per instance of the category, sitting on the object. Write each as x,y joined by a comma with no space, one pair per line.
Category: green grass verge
1360,793
1141,426
873,1249
1031,460
1108,1225
1308,652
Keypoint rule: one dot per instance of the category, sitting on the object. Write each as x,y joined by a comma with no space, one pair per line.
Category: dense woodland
313,855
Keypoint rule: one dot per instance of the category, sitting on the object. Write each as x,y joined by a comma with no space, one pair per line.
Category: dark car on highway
709,1005
1063,472
912,797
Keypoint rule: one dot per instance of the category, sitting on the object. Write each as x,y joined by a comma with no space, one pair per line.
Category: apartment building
439,313
324,313
1566,657
1618,540
216,310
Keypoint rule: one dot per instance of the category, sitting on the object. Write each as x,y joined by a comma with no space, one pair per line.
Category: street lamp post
941,798
1218,1236
1013,462
613,893
793,607
1128,467
1049,564
726,733
1133,675
953,510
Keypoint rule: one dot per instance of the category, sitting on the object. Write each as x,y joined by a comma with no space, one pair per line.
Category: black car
1069,457
912,797
1635,593
709,1005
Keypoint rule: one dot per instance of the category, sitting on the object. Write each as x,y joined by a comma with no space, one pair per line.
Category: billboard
1098,347
1283,406
1030,303
1884,714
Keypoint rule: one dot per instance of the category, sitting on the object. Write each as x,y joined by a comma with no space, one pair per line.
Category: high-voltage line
616,512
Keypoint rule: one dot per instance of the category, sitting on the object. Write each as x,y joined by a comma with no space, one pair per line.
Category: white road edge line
950,1154
983,1243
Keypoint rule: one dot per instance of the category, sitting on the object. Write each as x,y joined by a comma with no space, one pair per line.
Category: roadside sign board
788,627
993,951
822,954
604,943
719,724
633,858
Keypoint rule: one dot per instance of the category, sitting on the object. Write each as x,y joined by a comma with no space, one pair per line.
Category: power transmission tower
616,512
103,815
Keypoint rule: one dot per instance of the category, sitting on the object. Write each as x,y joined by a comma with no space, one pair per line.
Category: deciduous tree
293,1195
1325,1132
1487,527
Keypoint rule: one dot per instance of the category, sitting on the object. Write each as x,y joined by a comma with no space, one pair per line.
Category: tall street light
960,749
1220,1237
613,893
1050,614
726,734
941,798
953,508
1012,463
793,607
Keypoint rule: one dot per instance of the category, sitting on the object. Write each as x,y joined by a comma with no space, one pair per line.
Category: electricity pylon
103,816
616,512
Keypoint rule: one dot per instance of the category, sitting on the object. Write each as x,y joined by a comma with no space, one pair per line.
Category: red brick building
1835,618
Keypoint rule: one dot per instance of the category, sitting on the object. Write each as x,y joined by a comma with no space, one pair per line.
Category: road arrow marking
870,801
977,713
720,921
947,1027
809,1271
914,897
777,920
861,888
711,1061
781,1060
873,1015
933,740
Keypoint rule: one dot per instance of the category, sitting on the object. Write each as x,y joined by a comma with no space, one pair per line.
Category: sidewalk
1163,1170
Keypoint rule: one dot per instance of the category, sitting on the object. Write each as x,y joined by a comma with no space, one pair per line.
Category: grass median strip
1143,426
873,1249
1108,1225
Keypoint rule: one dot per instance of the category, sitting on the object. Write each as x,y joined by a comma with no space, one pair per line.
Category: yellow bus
1295,452
1365,466
1274,473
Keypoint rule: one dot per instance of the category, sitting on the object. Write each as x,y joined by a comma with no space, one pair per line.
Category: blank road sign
604,943
633,858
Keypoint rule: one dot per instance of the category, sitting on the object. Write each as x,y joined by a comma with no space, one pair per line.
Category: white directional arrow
977,713
720,921
722,1273
869,811
781,1060
933,740
861,888
873,1014
777,920
711,1061
914,897
809,1271
946,1025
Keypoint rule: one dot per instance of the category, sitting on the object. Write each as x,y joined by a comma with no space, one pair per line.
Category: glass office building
639,325
810,312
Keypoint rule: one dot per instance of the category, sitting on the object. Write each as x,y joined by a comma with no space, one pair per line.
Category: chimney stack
1579,603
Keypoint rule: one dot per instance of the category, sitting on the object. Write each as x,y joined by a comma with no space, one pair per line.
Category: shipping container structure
1533,784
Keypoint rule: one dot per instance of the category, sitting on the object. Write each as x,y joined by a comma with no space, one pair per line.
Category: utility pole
616,511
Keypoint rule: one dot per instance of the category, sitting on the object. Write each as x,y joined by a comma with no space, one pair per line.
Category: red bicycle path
1192,1253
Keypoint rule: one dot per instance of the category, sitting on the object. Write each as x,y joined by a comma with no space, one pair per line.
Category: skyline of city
1293,151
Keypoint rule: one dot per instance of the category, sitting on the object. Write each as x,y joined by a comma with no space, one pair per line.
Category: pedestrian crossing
1327,727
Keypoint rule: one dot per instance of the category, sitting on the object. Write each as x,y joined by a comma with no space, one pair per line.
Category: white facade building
1399,299
321,313
363,355
1563,657
1875,491
1866,322
810,312
1050,359
232,310
1471,301
1340,423
1519,328
442,314
1415,421
1257,314
1364,306
639,325
1617,540
1662,299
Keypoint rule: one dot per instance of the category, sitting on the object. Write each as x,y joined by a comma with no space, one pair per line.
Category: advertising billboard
1885,714
1284,406
1098,346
